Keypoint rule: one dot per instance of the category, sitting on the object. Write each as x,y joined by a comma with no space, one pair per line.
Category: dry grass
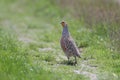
93,11
97,12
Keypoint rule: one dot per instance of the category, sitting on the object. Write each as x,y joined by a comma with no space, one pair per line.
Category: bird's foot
75,62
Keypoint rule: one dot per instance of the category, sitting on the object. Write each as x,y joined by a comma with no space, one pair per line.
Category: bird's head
63,24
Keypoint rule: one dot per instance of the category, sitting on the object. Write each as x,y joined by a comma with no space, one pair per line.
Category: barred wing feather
71,46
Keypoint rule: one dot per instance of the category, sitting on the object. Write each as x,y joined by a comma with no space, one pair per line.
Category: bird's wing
71,46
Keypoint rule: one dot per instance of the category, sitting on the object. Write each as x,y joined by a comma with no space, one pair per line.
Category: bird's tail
78,54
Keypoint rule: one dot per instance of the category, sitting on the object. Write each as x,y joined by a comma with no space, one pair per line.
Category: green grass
29,40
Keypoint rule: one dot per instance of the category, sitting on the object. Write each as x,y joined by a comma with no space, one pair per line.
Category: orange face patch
63,24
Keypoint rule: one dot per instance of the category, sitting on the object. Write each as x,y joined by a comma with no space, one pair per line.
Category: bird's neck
65,31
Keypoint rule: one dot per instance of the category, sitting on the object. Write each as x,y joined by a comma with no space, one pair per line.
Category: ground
30,32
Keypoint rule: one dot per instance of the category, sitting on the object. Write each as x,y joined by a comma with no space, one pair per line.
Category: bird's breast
63,44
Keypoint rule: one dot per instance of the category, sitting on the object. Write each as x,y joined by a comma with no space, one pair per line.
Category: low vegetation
30,32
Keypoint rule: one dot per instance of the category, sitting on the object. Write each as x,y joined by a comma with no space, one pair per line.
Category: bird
68,44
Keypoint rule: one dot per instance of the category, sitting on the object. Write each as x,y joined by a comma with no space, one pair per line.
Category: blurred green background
30,32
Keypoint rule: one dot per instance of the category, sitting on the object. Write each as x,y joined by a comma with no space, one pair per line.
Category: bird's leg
75,60
68,59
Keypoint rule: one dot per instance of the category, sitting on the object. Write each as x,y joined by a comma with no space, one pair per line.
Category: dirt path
87,71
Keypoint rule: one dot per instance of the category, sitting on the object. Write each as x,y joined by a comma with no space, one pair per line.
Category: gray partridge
67,43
